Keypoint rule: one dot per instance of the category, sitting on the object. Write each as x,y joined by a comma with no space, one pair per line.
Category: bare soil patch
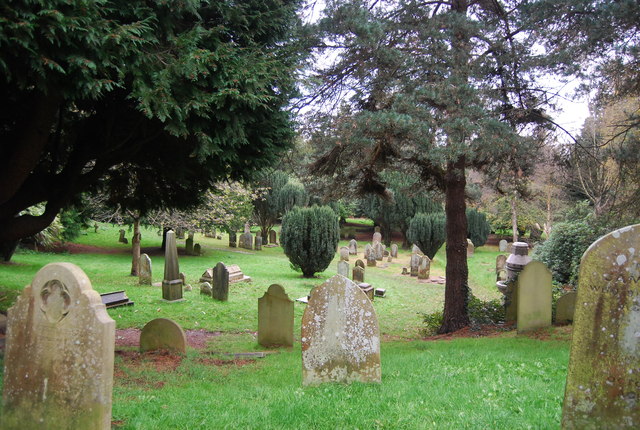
195,338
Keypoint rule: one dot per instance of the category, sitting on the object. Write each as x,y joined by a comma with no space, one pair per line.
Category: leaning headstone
343,268
163,334
424,267
414,263
340,335
360,263
273,237
122,239
534,297
470,248
220,282
58,363
353,247
144,270
197,250
358,274
258,243
416,250
565,308
188,244
232,239
603,381
371,260
171,283
275,318
344,253
377,238
378,250
394,250
502,245
206,288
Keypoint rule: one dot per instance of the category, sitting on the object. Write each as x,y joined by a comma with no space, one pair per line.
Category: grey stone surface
206,288
470,248
565,308
394,250
424,267
163,334
416,250
344,253
358,274
171,283
258,243
378,250
353,247
414,263
343,268
502,245
144,270
377,238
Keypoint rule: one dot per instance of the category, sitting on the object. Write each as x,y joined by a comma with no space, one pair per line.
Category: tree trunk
456,291
135,246
514,217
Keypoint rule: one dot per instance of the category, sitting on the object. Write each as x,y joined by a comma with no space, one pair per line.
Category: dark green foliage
480,313
428,232
291,195
279,195
309,237
73,223
478,228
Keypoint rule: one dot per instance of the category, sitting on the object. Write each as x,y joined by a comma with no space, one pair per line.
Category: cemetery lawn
501,381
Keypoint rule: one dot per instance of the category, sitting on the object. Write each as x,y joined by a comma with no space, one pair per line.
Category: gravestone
516,262
368,250
424,267
603,381
246,238
344,253
275,318
389,259
416,250
206,288
220,286
258,243
404,271
171,283
358,274
144,270
367,289
378,250
360,263
232,239
197,249
501,262
470,248
58,363
343,268
565,308
188,244
502,245
371,260
377,238
353,247
122,239
394,250
340,335
163,334
414,263
534,297
273,237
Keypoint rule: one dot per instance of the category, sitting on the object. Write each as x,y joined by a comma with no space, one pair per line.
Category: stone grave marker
378,250
416,250
275,318
163,334
258,243
371,260
122,239
206,288
534,297
343,268
502,246
603,380
405,271
171,283
367,289
353,247
220,286
368,249
414,263
58,363
424,267
565,308
501,262
389,259
360,263
358,274
232,239
340,335
470,248
377,238
197,249
344,253
394,250
188,244
246,238
144,270
273,237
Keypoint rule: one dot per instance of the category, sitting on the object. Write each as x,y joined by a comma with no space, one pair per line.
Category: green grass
499,382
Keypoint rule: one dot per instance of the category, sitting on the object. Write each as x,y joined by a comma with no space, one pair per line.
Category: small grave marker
163,334
565,308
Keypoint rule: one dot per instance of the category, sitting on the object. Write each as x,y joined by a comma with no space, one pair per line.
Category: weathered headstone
371,260
144,270
394,250
502,245
470,248
353,247
501,262
368,250
378,250
122,239
416,250
565,308
389,259
58,364
232,239
275,318
163,334
377,238
534,297
273,237
206,288
258,243
246,238
367,289
414,263
188,244
343,268
197,249
358,274
220,284
603,381
424,267
344,253
360,263
171,283
340,335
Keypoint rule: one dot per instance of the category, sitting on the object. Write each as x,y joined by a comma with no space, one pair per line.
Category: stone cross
414,263
58,364
171,283
353,247
534,297
424,267
565,308
163,334
358,274
144,270
340,335
502,245
220,287
344,253
275,318
394,250
603,381
343,268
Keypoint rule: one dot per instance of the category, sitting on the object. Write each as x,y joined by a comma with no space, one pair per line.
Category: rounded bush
309,238
478,228
428,232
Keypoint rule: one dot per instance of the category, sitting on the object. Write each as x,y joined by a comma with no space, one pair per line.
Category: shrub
309,237
478,228
428,232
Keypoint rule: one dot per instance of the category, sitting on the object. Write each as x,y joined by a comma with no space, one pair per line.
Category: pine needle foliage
309,237
478,228
428,232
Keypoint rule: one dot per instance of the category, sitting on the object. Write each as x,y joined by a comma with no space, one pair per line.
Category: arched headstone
275,318
344,253
353,247
358,274
502,245
163,334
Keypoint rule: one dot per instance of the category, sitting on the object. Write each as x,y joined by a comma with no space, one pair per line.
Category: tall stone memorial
220,287
340,335
534,297
232,239
377,238
603,381
58,364
378,251
258,243
171,283
275,318
144,270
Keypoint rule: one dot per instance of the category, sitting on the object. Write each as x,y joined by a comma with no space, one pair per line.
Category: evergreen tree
428,232
478,227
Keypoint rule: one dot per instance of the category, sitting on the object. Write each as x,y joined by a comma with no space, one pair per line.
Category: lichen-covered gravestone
358,274
501,262
220,287
275,318
59,357
394,250
343,268
534,297
371,260
424,267
416,250
565,308
144,270
171,283
258,243
344,253
378,250
603,381
377,238
502,245
368,250
163,334
360,263
340,335
353,247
